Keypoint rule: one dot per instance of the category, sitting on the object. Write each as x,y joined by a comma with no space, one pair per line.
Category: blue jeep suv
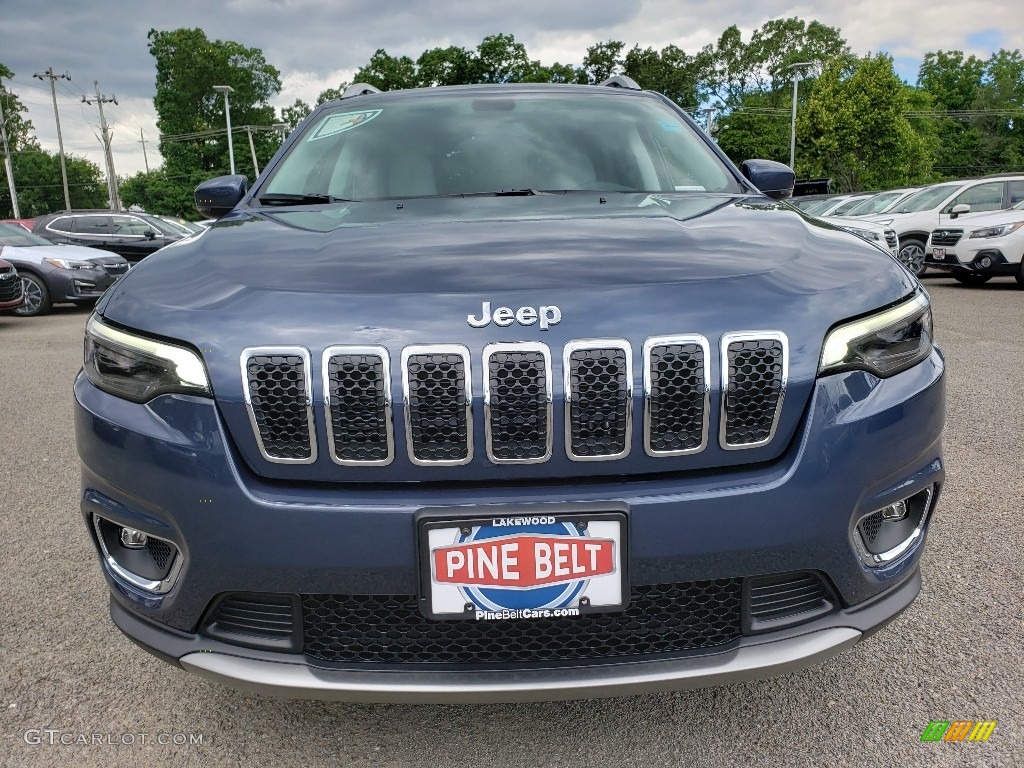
498,393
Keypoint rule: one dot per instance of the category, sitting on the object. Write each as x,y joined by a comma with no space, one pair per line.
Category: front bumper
290,676
168,468
982,261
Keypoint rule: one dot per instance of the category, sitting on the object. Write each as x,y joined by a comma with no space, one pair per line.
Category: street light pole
795,68
252,148
226,89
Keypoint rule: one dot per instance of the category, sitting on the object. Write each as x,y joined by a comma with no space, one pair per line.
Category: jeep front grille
676,395
754,370
438,400
519,423
517,403
279,398
357,387
598,399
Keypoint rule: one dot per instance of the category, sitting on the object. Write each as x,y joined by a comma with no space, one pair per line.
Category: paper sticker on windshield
344,122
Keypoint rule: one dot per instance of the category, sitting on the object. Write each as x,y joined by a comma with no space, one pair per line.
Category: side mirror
150,234
218,197
959,208
774,179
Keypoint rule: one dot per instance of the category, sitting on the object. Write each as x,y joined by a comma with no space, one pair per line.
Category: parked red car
26,223
11,294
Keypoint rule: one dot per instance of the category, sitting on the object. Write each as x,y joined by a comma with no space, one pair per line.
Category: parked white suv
981,247
940,205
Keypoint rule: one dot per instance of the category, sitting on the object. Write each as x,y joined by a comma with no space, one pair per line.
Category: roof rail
359,89
621,81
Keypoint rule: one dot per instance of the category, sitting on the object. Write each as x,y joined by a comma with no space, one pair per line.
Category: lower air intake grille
161,552
277,390
663,618
438,404
598,392
891,238
358,386
255,620
754,387
870,526
787,598
10,285
677,395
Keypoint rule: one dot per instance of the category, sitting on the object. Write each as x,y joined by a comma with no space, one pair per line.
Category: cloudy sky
319,43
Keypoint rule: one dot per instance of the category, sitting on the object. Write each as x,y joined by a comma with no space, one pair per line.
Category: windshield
12,234
873,204
179,227
847,207
926,199
463,144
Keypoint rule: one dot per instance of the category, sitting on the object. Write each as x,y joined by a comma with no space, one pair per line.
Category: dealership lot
69,676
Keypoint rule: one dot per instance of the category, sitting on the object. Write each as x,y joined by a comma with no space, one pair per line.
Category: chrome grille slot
676,395
517,402
947,237
438,404
357,395
754,374
277,393
598,399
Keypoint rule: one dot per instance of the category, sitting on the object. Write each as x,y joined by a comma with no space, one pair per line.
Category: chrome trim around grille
523,346
302,352
370,351
663,341
438,349
585,344
730,338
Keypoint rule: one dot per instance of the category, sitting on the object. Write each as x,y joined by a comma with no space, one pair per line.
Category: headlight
867,234
884,343
1000,231
137,368
70,264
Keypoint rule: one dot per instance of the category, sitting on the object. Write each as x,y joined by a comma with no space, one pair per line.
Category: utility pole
708,112
115,200
796,69
252,148
145,159
226,90
7,163
49,75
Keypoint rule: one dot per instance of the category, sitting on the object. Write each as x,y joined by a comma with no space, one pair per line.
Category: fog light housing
140,559
132,538
887,533
984,262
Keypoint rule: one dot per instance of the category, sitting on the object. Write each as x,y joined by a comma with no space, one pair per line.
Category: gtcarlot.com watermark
54,737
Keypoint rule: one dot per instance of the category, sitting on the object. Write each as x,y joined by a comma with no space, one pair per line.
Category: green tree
854,129
671,71
500,59
446,66
18,127
952,82
157,192
188,65
1002,96
389,73
603,60
39,186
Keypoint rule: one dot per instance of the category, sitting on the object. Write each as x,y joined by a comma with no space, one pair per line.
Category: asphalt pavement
68,676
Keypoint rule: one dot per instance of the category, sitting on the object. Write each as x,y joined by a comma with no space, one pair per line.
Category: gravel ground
955,654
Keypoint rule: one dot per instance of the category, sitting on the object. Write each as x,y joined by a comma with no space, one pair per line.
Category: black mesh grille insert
786,595
359,413
389,629
255,620
518,414
755,389
437,414
599,408
160,551
946,237
676,401
870,526
277,392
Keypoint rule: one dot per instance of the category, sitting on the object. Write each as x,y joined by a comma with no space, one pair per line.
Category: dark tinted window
983,197
62,224
1016,192
130,225
91,225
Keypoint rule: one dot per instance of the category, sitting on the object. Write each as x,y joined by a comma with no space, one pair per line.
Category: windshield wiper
283,198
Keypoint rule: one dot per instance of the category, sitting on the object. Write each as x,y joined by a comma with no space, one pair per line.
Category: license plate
523,566
939,254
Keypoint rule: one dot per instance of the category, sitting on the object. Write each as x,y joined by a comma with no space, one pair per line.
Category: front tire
1019,277
971,278
912,254
37,297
